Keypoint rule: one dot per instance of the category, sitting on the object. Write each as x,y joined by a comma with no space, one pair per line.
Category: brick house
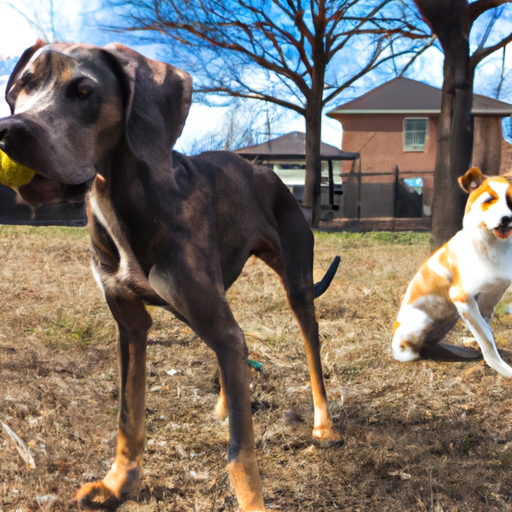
394,129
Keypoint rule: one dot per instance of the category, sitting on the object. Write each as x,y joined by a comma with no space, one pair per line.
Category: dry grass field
421,436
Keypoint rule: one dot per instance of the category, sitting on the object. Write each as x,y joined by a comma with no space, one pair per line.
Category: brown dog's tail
322,285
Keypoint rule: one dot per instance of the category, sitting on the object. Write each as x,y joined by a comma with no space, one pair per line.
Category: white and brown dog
465,278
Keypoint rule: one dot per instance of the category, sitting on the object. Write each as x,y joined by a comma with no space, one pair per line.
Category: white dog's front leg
470,313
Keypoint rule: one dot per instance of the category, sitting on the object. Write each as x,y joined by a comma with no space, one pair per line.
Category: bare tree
40,16
61,20
244,124
296,54
493,77
452,21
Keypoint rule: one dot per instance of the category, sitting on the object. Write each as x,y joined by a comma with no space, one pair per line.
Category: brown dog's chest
115,261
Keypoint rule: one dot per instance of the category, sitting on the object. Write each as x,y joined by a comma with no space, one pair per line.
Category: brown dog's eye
83,92
80,89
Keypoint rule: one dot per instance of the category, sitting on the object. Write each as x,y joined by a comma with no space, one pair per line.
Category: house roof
293,146
406,96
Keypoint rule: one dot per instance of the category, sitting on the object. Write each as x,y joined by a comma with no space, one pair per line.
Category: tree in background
61,20
243,124
494,77
40,16
451,21
298,55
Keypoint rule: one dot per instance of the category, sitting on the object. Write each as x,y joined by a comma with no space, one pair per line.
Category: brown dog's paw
326,437
96,496
121,482
320,443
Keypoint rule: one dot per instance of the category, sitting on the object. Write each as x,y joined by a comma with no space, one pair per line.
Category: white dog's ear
471,180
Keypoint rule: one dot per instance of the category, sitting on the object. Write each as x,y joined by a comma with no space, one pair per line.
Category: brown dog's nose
5,125
17,135
3,133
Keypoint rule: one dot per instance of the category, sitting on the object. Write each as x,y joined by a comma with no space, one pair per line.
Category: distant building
394,129
286,156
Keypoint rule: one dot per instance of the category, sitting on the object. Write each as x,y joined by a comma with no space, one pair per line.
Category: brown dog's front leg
206,310
122,481
242,464
221,408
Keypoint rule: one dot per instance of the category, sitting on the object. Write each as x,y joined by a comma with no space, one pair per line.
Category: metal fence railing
397,194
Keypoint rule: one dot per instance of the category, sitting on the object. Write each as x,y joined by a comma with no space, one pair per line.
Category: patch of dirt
418,437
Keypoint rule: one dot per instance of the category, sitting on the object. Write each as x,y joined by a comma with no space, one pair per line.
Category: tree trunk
449,20
312,189
455,145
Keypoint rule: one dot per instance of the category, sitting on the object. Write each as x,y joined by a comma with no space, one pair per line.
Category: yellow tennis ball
12,173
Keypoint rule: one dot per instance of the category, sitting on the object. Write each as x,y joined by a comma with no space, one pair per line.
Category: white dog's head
489,204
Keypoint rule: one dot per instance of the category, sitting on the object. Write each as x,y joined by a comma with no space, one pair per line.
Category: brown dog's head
76,106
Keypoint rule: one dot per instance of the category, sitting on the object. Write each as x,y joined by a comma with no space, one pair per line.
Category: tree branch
482,53
477,8
417,54
255,95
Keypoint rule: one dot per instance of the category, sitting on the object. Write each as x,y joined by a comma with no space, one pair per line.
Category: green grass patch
63,232
348,238
70,331
466,445
375,238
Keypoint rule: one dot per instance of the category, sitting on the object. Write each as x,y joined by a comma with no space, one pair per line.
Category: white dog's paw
501,367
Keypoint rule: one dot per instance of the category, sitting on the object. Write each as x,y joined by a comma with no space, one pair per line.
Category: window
415,134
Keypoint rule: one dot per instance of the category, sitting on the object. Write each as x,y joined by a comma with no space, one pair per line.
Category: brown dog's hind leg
122,481
301,303
295,269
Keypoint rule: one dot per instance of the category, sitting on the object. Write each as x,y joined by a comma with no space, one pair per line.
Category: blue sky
73,21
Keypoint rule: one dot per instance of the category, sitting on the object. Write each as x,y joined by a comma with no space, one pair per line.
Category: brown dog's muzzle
42,190
21,141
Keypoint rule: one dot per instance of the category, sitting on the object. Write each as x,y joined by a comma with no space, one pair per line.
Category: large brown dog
165,229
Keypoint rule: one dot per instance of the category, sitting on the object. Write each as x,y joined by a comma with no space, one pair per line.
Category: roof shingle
293,145
406,96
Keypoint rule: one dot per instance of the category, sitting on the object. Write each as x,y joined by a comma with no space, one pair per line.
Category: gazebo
286,155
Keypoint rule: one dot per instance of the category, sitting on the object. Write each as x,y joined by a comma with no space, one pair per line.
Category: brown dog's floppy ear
10,96
158,103
471,180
